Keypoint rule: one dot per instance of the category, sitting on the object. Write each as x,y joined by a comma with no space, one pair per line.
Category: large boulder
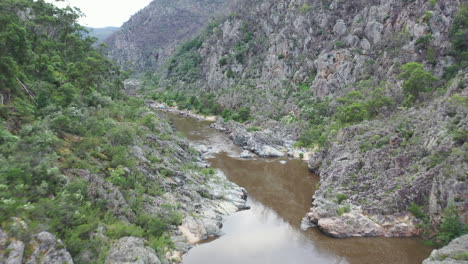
48,250
132,250
454,253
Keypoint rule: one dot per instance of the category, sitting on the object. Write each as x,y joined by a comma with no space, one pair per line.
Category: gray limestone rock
48,250
131,250
456,252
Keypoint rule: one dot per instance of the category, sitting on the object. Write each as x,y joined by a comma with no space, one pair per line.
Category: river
280,192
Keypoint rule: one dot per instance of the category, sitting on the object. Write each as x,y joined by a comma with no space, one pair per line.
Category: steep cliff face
341,65
266,49
150,36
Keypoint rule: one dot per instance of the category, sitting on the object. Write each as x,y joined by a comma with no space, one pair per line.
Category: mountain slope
86,172
378,86
102,33
150,36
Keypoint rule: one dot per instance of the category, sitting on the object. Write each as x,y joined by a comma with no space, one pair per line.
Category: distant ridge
102,33
151,35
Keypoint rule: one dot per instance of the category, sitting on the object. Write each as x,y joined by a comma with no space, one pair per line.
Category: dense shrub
451,226
416,79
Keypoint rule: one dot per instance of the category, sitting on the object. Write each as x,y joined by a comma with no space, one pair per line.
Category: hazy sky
104,13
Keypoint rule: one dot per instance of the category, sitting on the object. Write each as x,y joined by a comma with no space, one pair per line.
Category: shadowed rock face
151,35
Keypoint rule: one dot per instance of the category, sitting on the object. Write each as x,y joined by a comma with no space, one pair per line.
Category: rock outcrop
150,36
268,54
132,250
46,249
454,253
282,58
383,166
272,141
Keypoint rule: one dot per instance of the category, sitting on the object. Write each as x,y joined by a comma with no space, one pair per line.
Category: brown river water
280,192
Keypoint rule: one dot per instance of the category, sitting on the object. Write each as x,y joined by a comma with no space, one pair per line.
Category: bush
340,197
451,226
342,210
223,61
339,44
153,226
242,115
416,79
354,112
305,8
459,34
120,229
160,244
121,135
417,211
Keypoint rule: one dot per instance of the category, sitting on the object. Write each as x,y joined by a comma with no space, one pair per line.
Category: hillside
151,35
102,33
88,174
377,89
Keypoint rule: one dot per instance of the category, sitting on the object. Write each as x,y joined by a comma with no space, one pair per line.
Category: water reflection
265,237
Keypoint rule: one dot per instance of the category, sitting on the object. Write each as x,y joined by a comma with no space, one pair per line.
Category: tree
459,33
416,79
451,226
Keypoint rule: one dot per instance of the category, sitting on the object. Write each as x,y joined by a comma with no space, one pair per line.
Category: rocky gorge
199,198
342,119
332,73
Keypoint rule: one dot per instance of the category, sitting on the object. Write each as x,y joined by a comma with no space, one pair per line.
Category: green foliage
229,73
184,64
324,121
65,110
305,8
340,44
340,197
459,32
451,226
223,61
461,256
427,16
424,41
416,79
459,37
120,229
160,244
253,129
417,211
342,210
153,226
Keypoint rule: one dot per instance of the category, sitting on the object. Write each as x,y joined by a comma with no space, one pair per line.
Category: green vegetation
417,211
459,38
340,44
184,64
62,108
305,8
366,102
341,197
416,80
206,105
342,210
451,226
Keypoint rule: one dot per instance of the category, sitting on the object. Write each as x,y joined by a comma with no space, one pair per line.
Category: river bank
272,142
279,190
